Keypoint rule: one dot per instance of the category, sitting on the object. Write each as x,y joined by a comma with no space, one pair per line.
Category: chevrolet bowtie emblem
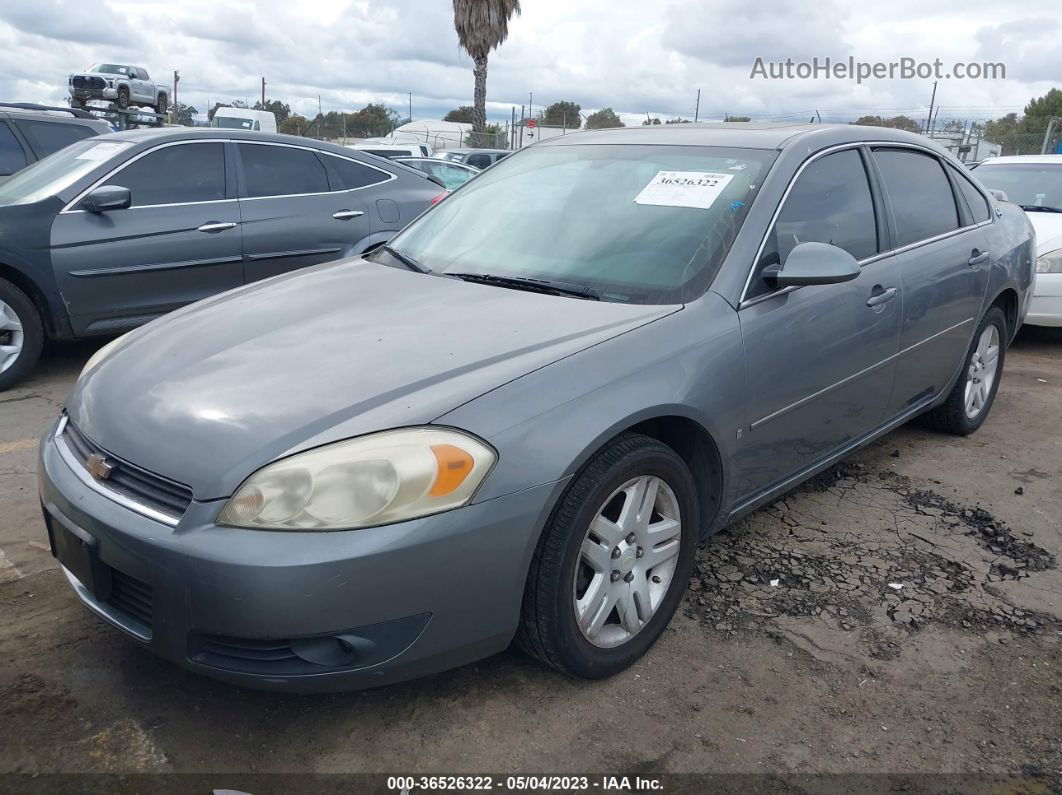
98,466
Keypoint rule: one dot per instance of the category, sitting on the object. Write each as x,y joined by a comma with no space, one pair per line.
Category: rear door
300,206
177,243
140,87
819,359
944,262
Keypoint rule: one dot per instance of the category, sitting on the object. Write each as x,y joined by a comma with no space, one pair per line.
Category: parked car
29,132
452,175
244,119
1034,182
480,158
116,230
392,149
520,417
119,83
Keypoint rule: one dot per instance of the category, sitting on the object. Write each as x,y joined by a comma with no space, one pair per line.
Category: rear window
388,152
281,171
919,192
352,174
12,158
46,137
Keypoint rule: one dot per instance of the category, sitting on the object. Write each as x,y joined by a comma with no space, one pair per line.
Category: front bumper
1045,309
93,93
414,598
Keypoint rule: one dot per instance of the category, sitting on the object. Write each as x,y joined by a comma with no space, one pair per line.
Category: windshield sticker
698,189
102,151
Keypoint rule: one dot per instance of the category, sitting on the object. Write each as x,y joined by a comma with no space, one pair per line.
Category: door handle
880,296
346,215
216,226
978,258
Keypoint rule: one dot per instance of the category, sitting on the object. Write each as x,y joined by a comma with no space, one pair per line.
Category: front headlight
1051,262
100,355
372,480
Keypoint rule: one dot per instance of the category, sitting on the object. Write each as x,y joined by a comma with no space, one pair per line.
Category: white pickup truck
118,83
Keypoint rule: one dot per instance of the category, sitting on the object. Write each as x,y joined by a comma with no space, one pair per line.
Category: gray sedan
520,418
114,231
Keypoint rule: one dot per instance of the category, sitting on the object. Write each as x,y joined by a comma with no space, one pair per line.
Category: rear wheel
613,562
21,334
971,398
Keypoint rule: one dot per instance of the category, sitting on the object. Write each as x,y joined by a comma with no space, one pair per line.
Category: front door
944,264
819,359
293,216
178,242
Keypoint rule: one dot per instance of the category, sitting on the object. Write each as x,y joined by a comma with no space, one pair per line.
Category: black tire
548,626
123,97
951,416
163,105
32,334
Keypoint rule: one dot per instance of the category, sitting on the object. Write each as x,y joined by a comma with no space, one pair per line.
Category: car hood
1048,228
212,392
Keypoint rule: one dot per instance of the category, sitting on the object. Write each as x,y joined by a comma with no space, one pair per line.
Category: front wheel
971,398
123,97
613,561
21,334
162,105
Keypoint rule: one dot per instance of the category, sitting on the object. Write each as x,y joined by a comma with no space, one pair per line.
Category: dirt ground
901,613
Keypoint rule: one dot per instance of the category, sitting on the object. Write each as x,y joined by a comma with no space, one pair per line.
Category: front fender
547,424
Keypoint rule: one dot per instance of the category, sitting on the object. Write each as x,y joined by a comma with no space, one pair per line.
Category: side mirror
813,263
1001,196
107,197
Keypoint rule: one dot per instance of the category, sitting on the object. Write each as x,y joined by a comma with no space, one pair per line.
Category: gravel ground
901,613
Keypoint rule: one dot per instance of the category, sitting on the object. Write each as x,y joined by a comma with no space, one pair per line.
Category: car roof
746,135
53,113
474,150
1041,159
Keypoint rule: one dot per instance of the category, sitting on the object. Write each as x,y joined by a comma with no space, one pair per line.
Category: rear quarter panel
1012,242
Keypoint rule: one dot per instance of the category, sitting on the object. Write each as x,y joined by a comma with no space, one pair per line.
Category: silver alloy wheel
11,337
981,374
627,561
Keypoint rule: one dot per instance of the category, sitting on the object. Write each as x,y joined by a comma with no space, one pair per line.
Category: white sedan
1035,183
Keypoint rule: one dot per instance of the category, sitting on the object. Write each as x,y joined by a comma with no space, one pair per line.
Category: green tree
738,118
896,122
279,109
563,114
482,26
463,114
650,122
294,125
1050,104
184,114
606,117
687,121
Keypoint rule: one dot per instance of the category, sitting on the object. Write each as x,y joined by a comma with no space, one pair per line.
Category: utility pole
932,101
530,113
263,93
410,106
697,109
176,80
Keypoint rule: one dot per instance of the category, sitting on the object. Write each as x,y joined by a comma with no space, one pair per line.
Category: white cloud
630,56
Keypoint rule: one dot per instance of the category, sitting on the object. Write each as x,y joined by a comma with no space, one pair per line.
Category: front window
634,223
110,69
57,172
1032,185
231,123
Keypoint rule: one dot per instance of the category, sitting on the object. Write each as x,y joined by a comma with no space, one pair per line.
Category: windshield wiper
1040,208
532,285
405,259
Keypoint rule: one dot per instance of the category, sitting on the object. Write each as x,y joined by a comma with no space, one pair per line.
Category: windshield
232,123
59,171
635,223
110,69
1030,184
453,176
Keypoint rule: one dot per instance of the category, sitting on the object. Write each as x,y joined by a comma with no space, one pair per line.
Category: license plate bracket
78,551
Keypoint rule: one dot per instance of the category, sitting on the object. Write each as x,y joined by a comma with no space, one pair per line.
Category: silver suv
118,83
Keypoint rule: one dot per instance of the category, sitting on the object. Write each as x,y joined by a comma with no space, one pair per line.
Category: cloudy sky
634,57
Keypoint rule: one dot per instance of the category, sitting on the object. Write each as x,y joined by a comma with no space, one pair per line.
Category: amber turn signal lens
454,466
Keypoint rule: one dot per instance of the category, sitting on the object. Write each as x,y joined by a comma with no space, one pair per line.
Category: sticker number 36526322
697,189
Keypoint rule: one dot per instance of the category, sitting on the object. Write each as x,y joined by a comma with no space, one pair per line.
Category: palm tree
482,25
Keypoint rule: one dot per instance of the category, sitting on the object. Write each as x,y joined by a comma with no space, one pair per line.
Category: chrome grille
82,81
130,481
